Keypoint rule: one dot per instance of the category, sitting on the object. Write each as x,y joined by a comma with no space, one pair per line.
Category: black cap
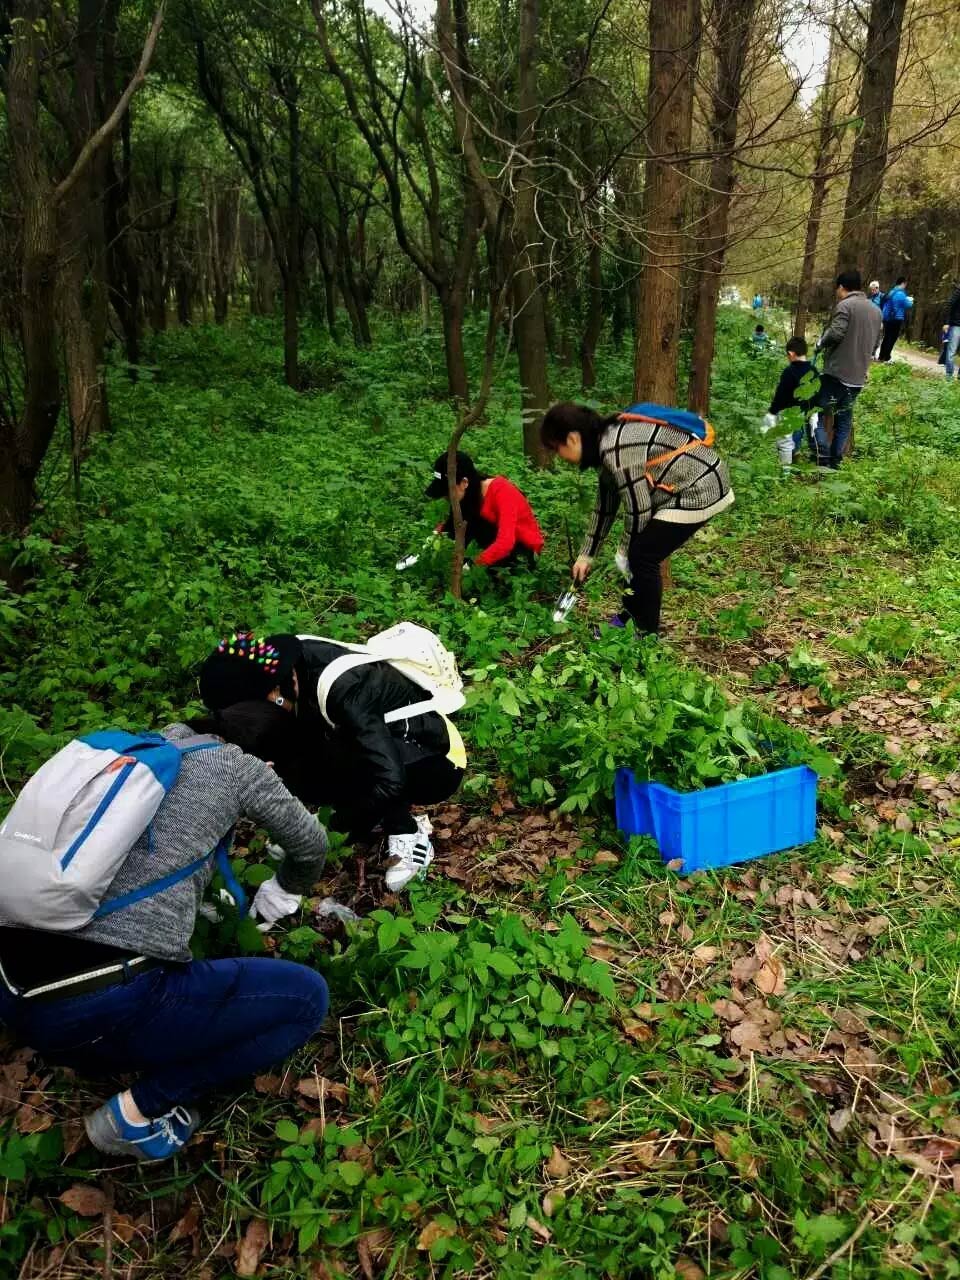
246,667
437,488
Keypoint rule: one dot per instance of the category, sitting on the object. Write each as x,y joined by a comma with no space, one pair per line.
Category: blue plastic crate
720,825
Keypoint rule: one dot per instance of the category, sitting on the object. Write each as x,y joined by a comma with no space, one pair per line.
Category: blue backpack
76,820
698,429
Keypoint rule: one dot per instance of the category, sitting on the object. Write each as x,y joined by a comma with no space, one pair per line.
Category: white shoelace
162,1126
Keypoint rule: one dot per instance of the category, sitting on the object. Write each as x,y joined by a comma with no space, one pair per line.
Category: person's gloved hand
622,563
271,903
769,422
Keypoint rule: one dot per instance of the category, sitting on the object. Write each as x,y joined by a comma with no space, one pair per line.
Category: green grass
563,1059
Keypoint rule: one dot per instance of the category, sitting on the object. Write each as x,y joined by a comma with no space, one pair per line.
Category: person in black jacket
951,332
372,772
789,394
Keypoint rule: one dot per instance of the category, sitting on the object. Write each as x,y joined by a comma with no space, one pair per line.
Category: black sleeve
384,771
783,396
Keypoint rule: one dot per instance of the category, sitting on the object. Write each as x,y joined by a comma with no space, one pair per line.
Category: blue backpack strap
221,854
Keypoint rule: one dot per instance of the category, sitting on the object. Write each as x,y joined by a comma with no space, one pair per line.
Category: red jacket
508,510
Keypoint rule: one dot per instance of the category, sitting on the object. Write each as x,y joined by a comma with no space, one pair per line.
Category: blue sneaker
110,1131
613,621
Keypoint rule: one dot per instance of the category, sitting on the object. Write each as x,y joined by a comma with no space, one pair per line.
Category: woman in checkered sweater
668,482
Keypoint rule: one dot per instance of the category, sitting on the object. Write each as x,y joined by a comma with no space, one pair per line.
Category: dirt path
918,360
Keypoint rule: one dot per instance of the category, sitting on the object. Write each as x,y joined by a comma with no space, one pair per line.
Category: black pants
891,332
428,780
648,549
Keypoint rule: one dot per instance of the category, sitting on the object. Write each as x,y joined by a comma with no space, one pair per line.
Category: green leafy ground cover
557,1058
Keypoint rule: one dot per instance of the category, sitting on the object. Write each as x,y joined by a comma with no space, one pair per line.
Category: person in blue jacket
896,307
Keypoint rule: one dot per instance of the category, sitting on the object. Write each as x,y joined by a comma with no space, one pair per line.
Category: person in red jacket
498,516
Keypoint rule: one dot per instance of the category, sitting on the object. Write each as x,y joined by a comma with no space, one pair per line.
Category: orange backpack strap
662,459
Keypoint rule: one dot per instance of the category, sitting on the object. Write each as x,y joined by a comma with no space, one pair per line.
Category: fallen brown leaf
706,955
187,1225
252,1245
433,1232
551,1202
319,1088
638,1031
606,858
558,1166
772,978
85,1199
372,1249
539,1230
687,1269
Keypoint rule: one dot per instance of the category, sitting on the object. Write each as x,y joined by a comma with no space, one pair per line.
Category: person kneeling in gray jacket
123,994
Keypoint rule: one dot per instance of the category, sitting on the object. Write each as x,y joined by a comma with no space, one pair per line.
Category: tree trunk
859,231
594,319
24,443
733,20
530,323
452,307
827,140
674,43
291,330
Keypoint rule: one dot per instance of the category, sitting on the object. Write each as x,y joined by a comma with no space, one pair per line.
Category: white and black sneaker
408,856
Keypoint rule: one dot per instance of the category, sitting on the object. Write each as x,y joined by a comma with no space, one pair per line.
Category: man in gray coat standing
849,342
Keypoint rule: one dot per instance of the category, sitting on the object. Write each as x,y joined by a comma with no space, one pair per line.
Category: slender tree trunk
291,329
859,231
24,443
733,20
674,43
452,306
594,319
826,152
530,324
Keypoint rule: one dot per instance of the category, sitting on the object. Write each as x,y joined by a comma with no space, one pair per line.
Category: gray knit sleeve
265,800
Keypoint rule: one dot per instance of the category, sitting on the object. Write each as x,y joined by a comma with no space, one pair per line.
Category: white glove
271,903
209,910
769,422
622,563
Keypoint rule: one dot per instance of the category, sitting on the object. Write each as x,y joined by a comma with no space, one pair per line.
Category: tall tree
509,201
674,47
251,72
878,84
391,109
730,24
26,431
828,137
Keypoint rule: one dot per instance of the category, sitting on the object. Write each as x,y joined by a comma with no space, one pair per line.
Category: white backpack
413,651
76,820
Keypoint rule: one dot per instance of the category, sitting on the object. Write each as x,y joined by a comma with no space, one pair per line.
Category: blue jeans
837,398
186,1030
953,341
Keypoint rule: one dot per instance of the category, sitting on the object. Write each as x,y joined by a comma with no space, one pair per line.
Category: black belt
80,984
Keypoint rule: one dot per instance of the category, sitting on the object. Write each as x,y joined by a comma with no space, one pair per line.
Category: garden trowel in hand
565,604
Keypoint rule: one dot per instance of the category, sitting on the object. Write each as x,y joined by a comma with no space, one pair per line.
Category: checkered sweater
699,480
213,791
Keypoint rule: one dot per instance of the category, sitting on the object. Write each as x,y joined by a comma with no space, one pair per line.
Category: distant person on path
758,302
670,482
759,339
951,332
875,293
358,752
896,306
788,394
498,516
122,995
848,344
